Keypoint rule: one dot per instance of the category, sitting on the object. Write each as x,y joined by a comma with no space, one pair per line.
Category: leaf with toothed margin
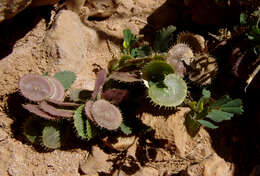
79,122
156,70
32,129
169,93
163,39
66,78
100,81
51,137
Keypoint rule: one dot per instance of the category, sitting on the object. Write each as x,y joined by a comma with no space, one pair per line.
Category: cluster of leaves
132,47
144,64
253,23
207,109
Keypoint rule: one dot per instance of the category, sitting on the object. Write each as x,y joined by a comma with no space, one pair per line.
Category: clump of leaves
163,39
207,110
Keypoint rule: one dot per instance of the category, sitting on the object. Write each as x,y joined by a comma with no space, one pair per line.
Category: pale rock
119,143
174,131
9,8
67,43
96,161
211,166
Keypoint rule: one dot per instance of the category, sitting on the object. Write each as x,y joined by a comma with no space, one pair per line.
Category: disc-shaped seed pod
35,87
181,52
106,114
59,91
195,41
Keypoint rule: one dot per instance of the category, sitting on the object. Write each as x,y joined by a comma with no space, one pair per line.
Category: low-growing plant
206,110
160,71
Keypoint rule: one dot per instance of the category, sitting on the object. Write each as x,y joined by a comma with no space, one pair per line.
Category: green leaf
207,124
233,106
79,122
125,129
192,125
206,93
220,102
66,78
243,18
218,116
32,129
51,137
163,39
129,40
142,51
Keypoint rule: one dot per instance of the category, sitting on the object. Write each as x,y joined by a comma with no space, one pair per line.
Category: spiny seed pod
171,94
181,52
106,115
35,87
203,69
44,106
51,137
37,111
59,91
178,66
32,129
156,70
79,122
126,77
195,41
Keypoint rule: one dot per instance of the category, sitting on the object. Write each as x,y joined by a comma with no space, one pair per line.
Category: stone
211,166
66,44
10,8
96,161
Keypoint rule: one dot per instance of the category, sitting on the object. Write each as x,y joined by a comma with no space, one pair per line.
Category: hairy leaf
66,78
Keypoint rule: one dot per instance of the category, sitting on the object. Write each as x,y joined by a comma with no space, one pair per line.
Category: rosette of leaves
207,110
165,88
